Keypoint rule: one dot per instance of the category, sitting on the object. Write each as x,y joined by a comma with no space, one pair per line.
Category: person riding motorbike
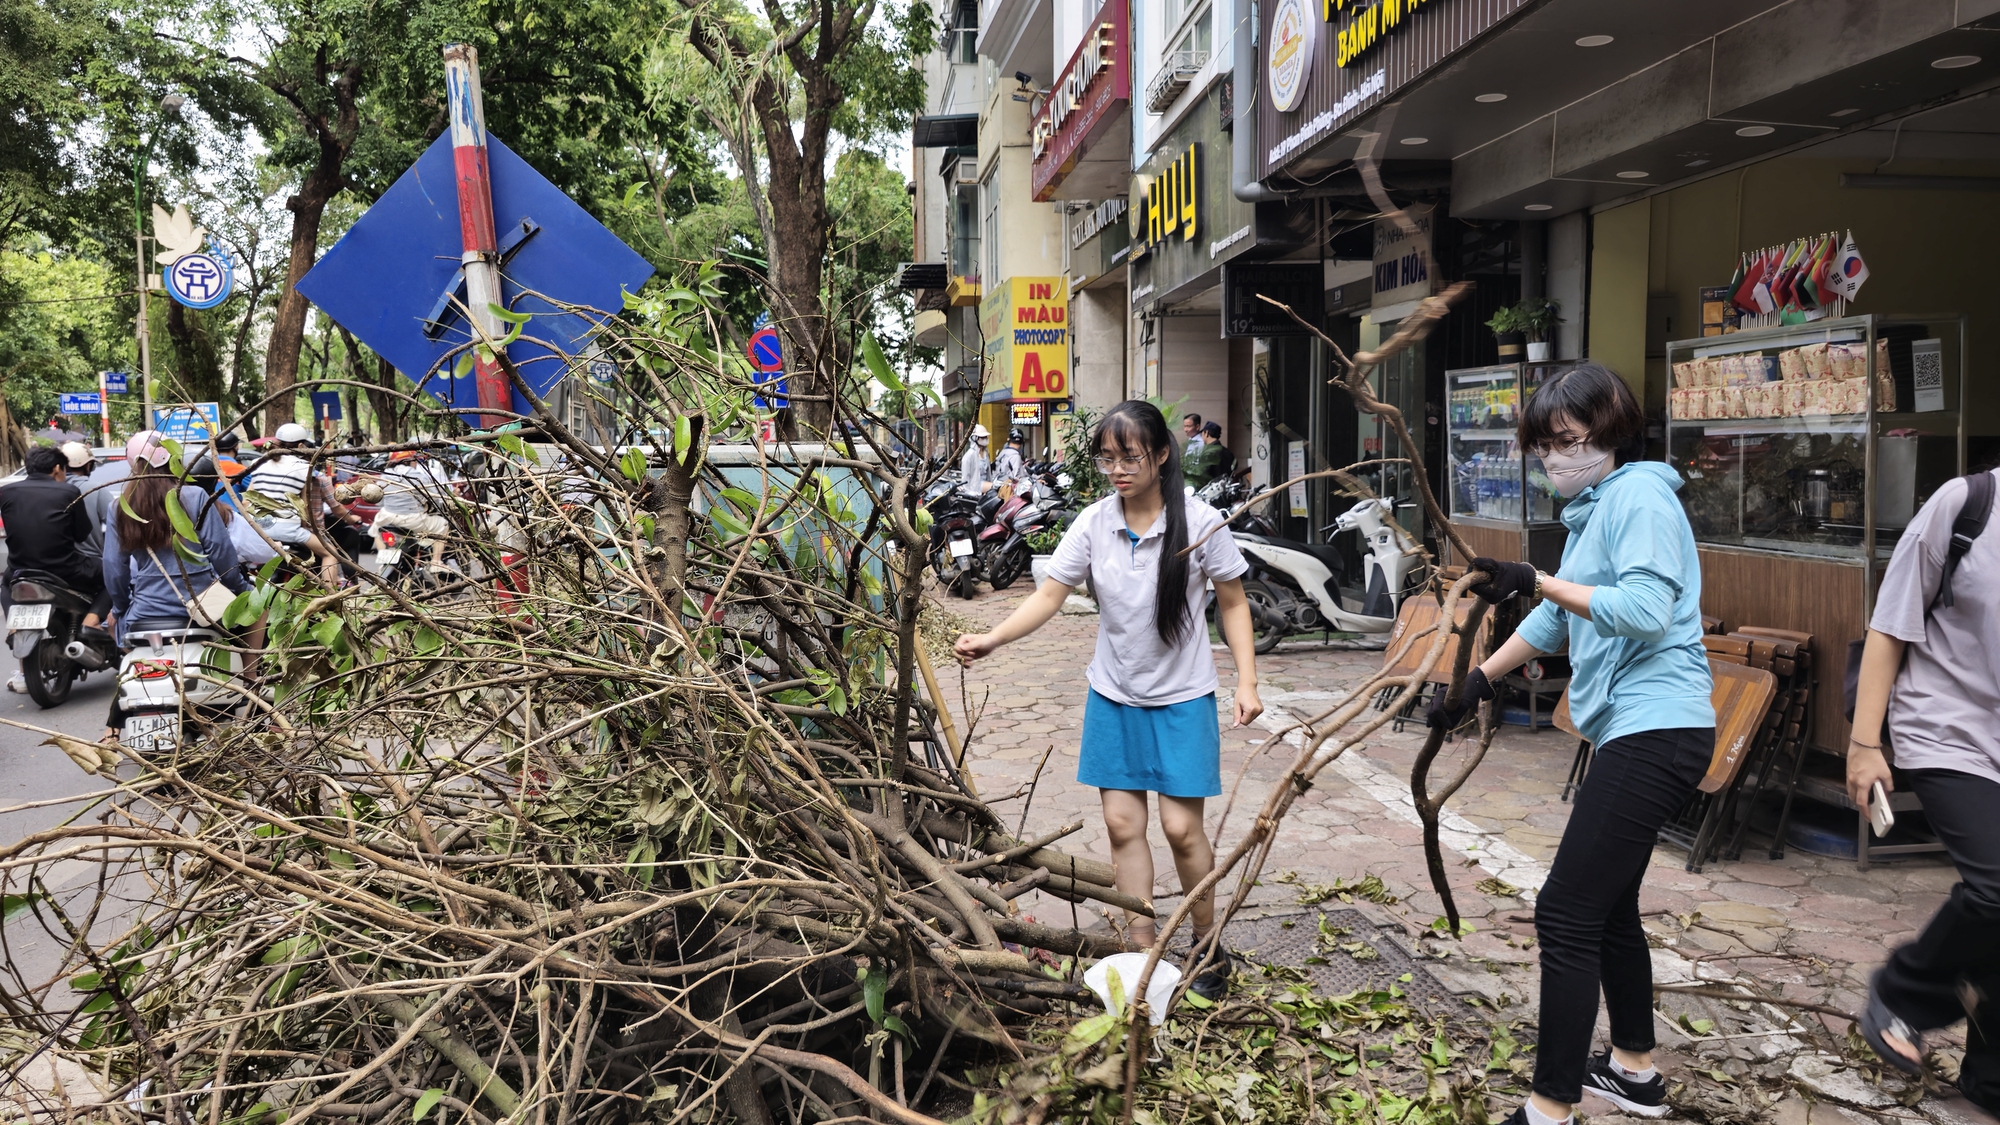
290,497
972,466
146,578
413,486
1008,466
49,529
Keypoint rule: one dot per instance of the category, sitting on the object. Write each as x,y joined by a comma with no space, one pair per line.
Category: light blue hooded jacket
1637,664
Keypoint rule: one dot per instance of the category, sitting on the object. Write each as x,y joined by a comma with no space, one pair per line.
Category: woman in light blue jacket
1627,601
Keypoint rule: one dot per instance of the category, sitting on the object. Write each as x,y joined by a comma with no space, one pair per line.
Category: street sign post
188,422
475,219
396,279
767,355
82,402
116,382
326,407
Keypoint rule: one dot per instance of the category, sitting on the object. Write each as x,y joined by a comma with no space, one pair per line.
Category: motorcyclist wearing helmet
414,488
290,499
972,466
1008,466
48,529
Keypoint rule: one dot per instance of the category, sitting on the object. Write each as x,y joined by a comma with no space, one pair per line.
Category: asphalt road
30,771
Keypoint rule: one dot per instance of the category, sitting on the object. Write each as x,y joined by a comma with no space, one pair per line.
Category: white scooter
1295,587
175,672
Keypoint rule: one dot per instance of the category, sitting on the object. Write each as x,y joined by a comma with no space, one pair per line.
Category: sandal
1878,1022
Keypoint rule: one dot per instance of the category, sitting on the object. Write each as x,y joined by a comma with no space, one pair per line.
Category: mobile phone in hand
1879,814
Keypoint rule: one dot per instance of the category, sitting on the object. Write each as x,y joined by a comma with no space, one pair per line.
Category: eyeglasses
1119,464
1570,449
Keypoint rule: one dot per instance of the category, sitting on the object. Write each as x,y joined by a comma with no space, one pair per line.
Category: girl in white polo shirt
1150,724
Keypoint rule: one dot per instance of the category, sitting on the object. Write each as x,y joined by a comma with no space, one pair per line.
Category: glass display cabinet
1499,498
1804,450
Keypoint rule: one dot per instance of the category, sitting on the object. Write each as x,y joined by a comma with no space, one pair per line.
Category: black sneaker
1647,1099
1212,983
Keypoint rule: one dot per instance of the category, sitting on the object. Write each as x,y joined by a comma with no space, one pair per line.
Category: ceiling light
1954,62
1490,98
1633,175
1845,112
1593,41
1416,140
1755,131
1538,207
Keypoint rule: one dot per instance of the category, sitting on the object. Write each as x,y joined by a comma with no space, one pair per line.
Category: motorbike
176,672
45,630
1295,587
1040,503
954,545
1229,496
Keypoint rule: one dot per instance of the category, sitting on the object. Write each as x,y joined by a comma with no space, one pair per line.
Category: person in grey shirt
1008,466
1929,663
972,467
100,483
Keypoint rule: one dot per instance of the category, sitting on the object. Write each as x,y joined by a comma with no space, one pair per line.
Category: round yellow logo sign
1292,30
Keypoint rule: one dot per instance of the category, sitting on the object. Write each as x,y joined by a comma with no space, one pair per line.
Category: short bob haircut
1593,398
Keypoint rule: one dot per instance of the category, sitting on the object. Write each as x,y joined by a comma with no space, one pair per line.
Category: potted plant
1536,318
1042,547
1506,324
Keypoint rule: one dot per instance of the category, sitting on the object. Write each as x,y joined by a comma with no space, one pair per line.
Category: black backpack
1970,522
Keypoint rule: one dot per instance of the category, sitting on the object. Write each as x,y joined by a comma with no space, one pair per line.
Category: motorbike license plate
388,556
28,616
149,733
961,548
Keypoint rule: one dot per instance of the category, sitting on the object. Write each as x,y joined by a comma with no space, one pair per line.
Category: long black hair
1136,424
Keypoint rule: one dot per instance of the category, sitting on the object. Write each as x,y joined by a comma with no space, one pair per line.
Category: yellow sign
1368,26
1170,210
1026,321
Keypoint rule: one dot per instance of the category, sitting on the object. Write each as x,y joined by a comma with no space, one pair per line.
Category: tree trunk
288,329
388,408
197,367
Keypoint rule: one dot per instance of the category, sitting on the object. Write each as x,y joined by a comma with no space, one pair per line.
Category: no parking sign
767,355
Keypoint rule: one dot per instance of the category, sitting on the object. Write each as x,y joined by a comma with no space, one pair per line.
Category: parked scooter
1295,587
176,672
1040,503
45,630
954,536
1229,496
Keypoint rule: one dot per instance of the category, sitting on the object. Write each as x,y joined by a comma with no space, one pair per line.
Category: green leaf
1196,1000
874,992
1088,1031
633,464
896,1024
683,436
923,521
878,364
84,982
127,509
13,906
509,317
328,632
426,1102
178,515
426,640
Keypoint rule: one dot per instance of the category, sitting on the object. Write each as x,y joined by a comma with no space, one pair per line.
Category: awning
945,130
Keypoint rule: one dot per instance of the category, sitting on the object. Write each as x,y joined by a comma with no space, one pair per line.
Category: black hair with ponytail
1134,426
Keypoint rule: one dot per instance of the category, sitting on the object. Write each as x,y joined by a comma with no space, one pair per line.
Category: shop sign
1365,27
1402,270
1293,31
1096,83
1246,314
1026,321
1025,414
1169,207
1096,220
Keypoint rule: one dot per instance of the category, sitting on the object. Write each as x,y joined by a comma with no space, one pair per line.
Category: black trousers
1587,915
1952,969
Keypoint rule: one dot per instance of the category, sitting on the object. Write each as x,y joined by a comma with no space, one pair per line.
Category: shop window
961,34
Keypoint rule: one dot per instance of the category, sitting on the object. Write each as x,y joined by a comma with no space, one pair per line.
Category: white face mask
1571,473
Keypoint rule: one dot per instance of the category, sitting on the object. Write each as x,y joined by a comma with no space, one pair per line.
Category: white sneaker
19,684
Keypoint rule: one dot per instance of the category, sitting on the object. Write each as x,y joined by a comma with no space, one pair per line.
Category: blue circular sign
200,281
765,350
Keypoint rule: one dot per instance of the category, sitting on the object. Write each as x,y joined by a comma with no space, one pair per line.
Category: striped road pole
475,221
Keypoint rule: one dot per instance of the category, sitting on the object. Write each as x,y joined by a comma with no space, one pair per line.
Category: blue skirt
1175,750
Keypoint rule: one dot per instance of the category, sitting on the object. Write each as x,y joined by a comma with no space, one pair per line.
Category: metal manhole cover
1361,957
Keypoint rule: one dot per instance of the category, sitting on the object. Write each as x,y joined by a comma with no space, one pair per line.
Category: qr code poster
1927,369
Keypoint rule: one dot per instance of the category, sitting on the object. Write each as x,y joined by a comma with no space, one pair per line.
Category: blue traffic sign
774,391
188,421
394,279
201,280
115,382
766,352
326,405
81,402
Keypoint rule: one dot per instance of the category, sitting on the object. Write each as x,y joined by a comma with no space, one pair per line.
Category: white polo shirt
1131,665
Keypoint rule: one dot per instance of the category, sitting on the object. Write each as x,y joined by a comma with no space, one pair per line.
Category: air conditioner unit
968,171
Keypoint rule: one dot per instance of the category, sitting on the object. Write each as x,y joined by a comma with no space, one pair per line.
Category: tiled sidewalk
1813,925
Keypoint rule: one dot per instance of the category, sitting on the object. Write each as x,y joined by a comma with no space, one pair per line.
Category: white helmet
980,432
291,433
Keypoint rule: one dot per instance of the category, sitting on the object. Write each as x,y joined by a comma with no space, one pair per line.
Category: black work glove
1509,579
1478,689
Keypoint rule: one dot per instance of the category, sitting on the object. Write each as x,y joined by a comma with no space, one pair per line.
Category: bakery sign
1096,83
1363,25
1294,27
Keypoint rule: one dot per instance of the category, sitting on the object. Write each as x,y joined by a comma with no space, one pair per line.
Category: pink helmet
145,447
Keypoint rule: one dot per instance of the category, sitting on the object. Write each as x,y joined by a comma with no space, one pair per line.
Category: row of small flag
1806,274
